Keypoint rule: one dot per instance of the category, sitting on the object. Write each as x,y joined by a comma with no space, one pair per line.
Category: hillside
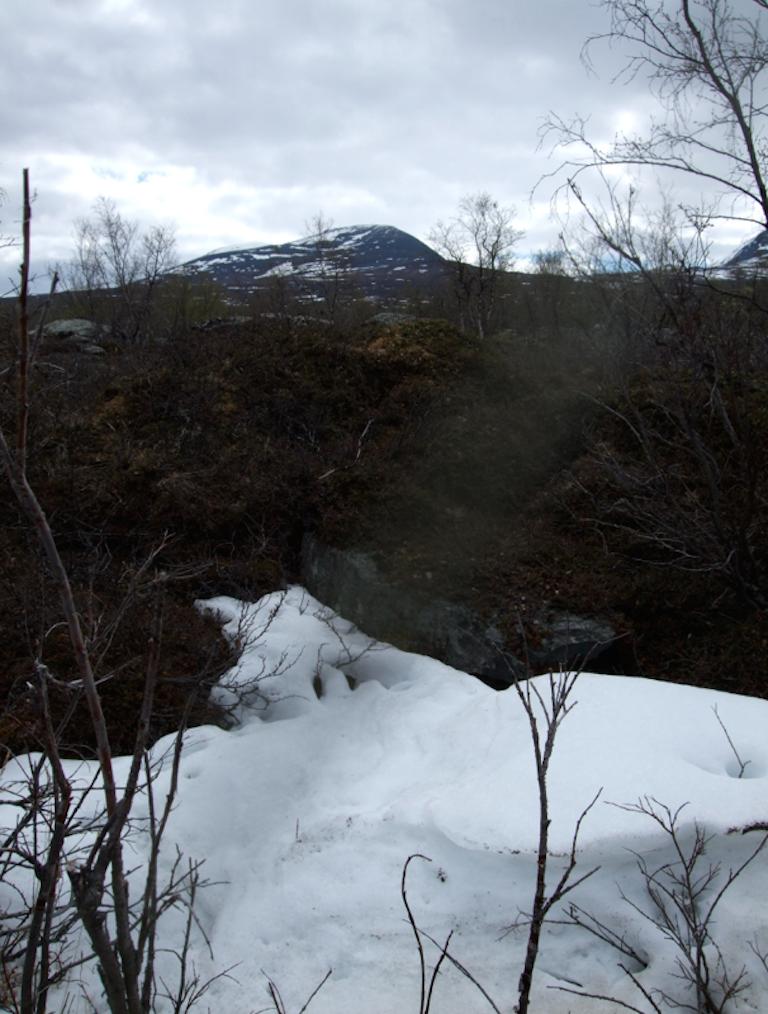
751,253
472,483
381,261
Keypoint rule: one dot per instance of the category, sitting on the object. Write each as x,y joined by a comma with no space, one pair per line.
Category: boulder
569,639
391,318
76,335
351,582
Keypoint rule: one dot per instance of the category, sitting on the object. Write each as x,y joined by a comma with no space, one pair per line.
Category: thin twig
742,764
412,921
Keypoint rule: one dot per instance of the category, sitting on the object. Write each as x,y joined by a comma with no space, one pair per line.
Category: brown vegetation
222,447
410,440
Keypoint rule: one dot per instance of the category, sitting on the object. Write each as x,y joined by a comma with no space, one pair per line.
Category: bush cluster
225,447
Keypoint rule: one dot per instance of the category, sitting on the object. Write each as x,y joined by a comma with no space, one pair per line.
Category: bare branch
742,764
477,245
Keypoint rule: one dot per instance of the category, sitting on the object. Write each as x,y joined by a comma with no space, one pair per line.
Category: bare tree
116,269
122,934
545,713
685,482
330,279
681,447
4,240
477,244
706,61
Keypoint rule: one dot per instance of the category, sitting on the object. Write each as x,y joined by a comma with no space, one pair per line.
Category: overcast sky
241,119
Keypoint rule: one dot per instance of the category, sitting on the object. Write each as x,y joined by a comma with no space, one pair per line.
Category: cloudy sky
239,120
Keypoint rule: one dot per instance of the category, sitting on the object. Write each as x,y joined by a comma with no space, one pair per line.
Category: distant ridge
384,261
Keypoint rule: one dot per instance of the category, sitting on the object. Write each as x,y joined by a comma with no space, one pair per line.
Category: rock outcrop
351,583
76,335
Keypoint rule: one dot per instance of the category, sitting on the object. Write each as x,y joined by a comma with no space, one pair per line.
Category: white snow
306,811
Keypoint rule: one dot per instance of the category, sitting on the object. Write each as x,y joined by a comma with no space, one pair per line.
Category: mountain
752,253
379,260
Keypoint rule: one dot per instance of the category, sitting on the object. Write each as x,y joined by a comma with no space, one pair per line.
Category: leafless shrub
116,271
545,713
550,711
687,485
279,1004
234,691
477,246
684,894
56,823
680,456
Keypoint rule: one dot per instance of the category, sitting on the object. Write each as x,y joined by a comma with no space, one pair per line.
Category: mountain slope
378,259
750,254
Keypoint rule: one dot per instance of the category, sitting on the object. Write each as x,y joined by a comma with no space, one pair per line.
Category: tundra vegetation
480,468
589,436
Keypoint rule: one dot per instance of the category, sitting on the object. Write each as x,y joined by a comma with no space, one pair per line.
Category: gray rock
569,638
76,335
391,318
351,583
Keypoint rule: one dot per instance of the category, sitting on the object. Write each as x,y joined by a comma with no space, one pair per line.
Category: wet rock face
352,583
568,637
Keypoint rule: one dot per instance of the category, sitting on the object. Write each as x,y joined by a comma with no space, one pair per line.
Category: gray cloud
240,120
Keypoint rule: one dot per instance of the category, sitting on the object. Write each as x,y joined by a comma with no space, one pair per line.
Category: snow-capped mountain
378,259
751,254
